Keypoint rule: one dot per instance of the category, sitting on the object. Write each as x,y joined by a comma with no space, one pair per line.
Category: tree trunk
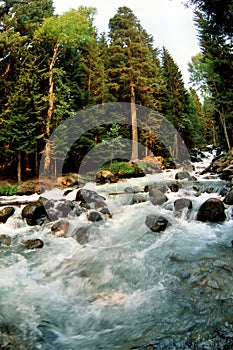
134,155
19,168
51,97
223,122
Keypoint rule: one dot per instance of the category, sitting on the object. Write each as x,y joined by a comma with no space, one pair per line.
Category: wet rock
88,196
156,223
157,197
60,228
212,210
65,208
188,166
94,216
5,240
105,176
154,186
139,198
33,244
175,186
182,175
5,213
106,212
34,213
129,190
229,198
183,203
81,235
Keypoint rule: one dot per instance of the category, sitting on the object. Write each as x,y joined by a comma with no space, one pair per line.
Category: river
128,287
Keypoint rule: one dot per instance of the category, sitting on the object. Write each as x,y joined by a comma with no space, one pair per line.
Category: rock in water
34,213
94,216
211,210
60,228
157,197
81,234
156,223
5,240
5,213
88,196
183,203
229,198
182,175
34,244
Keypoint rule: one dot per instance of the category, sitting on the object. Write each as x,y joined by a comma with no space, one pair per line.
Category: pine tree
132,66
177,107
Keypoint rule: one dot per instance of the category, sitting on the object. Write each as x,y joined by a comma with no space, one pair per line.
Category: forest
52,66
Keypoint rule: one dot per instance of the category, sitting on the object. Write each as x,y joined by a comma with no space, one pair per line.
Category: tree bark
19,168
51,97
134,155
223,122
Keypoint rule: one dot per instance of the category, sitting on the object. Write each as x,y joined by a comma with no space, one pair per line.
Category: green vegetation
122,169
54,66
8,190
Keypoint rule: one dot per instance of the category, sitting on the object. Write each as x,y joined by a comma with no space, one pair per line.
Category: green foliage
8,190
119,168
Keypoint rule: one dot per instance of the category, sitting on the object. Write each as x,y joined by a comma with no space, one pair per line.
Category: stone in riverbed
229,198
182,175
5,240
34,213
183,203
88,196
81,235
156,223
211,210
60,228
5,213
94,216
157,197
33,244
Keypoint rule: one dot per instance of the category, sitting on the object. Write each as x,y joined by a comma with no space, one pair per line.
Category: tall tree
214,20
132,65
70,30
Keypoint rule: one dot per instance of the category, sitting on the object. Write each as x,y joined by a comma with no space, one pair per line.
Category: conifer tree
132,67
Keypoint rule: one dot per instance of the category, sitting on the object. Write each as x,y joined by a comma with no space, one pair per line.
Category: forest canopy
53,66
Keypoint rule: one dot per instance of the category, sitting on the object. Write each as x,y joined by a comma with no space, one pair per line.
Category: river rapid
128,287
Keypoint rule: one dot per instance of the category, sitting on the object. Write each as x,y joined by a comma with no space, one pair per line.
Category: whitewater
127,287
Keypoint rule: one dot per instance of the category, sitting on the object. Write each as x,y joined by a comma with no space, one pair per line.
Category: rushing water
128,287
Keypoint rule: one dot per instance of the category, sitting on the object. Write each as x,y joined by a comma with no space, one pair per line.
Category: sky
168,21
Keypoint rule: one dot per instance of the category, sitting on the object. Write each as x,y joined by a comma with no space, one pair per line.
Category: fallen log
116,193
4,203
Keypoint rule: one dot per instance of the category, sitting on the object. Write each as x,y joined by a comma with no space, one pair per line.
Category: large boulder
211,210
5,213
182,203
229,198
105,176
157,197
81,234
156,223
88,196
34,213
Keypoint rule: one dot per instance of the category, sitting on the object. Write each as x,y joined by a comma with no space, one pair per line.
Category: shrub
8,189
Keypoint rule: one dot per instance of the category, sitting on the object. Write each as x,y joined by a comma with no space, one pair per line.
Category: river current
128,287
